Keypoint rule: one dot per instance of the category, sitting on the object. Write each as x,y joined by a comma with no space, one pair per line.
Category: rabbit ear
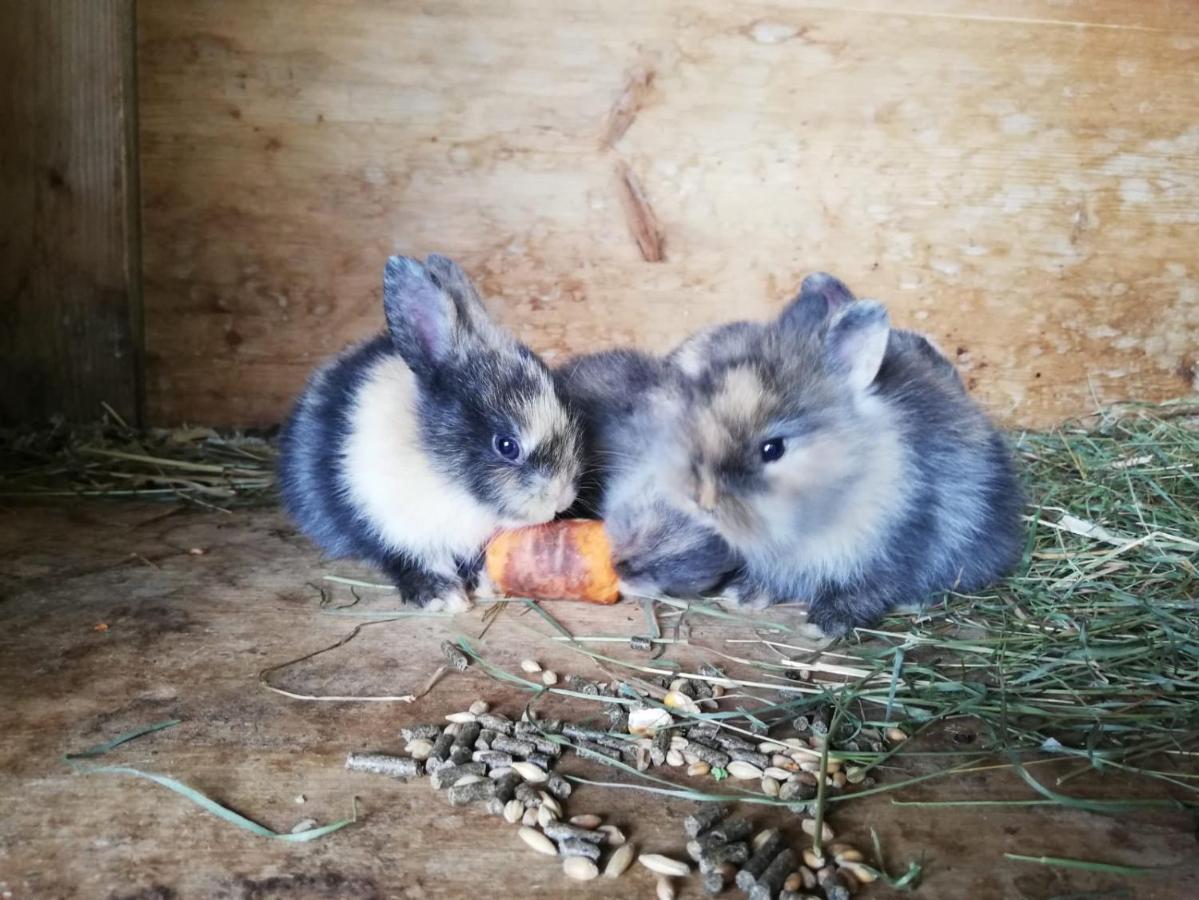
421,317
820,295
857,342
455,282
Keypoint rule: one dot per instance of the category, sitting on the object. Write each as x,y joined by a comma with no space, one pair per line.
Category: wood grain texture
1019,179
187,634
70,326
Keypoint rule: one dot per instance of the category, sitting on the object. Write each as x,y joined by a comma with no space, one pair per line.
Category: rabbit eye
506,447
772,449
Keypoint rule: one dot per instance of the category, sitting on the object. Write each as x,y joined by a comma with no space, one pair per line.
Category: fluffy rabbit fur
657,547
842,460
409,450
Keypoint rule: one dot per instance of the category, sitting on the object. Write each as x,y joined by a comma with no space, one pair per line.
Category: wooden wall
70,330
1020,178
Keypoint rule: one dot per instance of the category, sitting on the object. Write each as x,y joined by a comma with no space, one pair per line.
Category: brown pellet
472,792
382,764
660,748
464,743
440,752
726,832
420,732
511,745
753,757
725,853
540,760
707,817
493,759
771,880
730,742
761,859
448,775
717,759
506,784
495,722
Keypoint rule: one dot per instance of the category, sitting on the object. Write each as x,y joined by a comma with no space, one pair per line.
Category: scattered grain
538,841
620,860
664,865
580,868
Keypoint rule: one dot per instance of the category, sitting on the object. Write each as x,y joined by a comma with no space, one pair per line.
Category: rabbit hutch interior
531,449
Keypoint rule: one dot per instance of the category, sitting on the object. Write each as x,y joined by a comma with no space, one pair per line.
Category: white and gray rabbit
842,460
622,398
411,449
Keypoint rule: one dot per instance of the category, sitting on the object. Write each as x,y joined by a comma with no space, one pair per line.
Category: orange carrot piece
570,559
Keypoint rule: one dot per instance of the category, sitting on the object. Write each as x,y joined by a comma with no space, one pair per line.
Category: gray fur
893,484
623,397
390,453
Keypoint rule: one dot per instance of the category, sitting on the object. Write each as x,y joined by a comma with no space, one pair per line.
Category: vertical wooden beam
70,317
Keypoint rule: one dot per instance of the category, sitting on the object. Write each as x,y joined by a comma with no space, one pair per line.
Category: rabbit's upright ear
455,282
856,343
820,295
422,319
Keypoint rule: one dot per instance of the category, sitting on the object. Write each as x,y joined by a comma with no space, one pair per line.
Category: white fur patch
542,418
411,506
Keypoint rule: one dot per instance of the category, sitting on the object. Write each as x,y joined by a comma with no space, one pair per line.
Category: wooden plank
71,332
186,636
1017,179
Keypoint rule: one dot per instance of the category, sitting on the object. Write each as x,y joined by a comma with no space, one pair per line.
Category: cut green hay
1092,647
1086,659
110,460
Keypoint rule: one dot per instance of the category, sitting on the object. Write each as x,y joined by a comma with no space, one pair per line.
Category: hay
1089,652
110,460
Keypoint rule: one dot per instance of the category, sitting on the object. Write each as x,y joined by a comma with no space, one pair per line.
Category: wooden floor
186,635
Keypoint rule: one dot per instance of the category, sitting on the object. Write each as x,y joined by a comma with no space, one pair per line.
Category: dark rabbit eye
772,449
506,447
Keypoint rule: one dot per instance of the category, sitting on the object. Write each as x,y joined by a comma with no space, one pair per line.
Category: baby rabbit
843,461
410,449
622,398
